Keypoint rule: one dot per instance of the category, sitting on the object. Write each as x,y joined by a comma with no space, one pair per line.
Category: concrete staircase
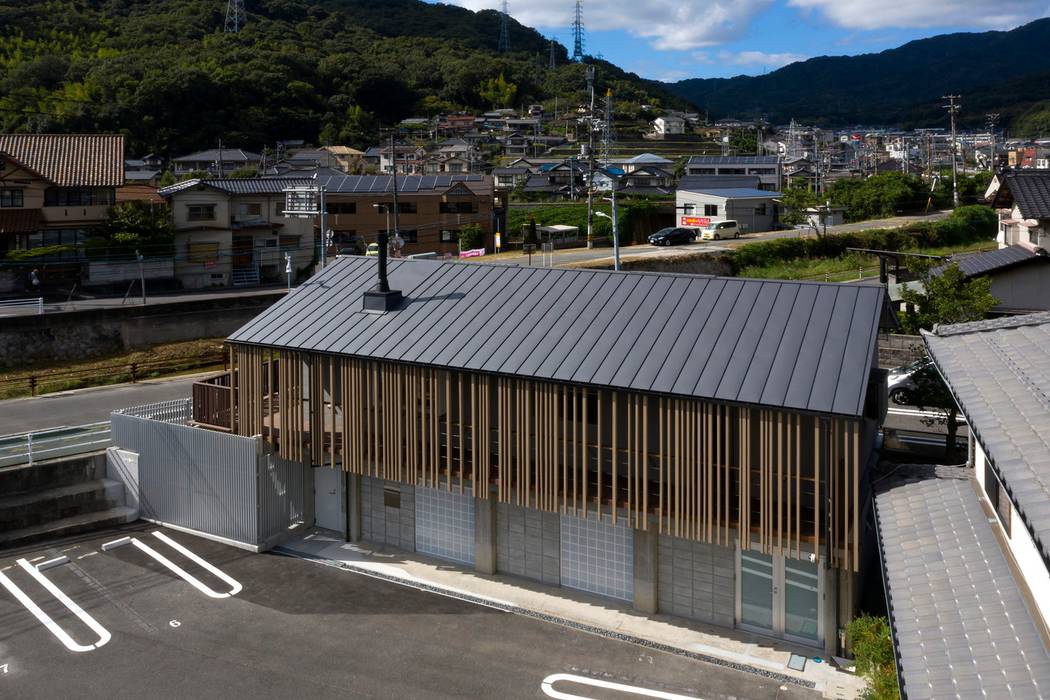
61,497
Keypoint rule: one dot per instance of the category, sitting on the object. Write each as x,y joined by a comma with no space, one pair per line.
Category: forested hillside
164,73
1006,72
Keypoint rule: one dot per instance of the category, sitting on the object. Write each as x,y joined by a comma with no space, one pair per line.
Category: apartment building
769,169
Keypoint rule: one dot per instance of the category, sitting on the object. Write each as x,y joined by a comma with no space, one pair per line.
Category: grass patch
170,359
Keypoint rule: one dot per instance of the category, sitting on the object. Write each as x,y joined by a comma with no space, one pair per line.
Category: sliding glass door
779,596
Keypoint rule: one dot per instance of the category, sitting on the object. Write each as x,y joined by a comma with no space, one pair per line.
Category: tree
946,296
471,237
245,172
497,91
130,227
931,395
872,646
796,201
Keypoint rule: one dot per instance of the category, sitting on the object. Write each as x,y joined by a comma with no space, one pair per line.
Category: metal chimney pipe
383,285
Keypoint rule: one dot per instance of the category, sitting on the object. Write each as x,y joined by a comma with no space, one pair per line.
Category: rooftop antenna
504,41
235,16
577,33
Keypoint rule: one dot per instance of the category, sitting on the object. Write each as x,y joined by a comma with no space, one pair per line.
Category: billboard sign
695,221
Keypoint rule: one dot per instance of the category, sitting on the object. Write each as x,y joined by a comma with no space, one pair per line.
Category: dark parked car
673,236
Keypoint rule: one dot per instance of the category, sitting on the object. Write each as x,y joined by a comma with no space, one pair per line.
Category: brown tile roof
70,160
139,193
19,221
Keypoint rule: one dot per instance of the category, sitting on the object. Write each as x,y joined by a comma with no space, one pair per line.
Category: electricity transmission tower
993,119
953,109
235,16
551,63
577,33
504,40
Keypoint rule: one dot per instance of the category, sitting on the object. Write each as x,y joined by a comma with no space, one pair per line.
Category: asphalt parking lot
266,626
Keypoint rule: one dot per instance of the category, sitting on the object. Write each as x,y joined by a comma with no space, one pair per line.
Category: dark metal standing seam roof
731,160
999,372
797,345
983,263
960,622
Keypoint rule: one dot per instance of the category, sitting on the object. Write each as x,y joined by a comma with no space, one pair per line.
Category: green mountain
164,73
1006,72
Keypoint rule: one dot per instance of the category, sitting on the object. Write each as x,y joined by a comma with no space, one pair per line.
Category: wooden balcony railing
212,403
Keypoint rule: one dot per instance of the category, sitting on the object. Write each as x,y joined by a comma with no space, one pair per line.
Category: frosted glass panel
756,590
800,599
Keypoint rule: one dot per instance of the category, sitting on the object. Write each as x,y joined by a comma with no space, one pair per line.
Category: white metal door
597,557
329,504
445,524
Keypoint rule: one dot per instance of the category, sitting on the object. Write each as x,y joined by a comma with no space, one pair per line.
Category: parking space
176,616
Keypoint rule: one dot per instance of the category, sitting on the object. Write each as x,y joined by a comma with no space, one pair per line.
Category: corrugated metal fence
226,486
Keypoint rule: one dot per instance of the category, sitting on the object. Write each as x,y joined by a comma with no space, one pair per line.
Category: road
83,406
570,256
151,300
297,629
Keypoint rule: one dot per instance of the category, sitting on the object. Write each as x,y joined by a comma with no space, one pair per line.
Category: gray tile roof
799,345
992,260
732,160
999,372
960,622
228,155
1030,190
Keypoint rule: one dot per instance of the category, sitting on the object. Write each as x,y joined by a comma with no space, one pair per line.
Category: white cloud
764,60
666,24
868,14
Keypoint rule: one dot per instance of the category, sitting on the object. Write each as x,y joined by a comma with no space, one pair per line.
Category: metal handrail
37,302
37,445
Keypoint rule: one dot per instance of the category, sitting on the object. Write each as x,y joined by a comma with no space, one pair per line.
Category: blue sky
674,39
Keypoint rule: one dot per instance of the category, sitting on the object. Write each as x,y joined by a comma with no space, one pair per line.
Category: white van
719,230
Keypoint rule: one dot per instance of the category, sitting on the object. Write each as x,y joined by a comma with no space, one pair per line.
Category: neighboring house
139,172
431,209
646,160
564,178
411,160
218,162
646,181
347,159
234,232
966,550
55,187
1020,276
754,210
705,458
371,157
769,169
1022,199
719,182
510,177
455,124
819,217
668,125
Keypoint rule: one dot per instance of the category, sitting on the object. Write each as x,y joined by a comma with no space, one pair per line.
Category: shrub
872,647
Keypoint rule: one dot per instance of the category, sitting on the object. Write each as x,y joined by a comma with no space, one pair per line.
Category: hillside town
611,393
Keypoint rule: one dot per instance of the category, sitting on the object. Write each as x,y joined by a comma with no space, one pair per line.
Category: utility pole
993,119
590,155
953,109
397,229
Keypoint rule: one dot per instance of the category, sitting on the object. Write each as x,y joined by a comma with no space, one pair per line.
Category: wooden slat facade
685,467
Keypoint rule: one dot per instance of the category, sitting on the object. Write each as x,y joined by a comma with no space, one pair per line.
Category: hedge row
964,225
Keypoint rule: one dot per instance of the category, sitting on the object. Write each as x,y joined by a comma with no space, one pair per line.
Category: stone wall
78,335
384,524
697,580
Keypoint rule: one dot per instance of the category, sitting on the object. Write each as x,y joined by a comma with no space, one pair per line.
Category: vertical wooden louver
686,467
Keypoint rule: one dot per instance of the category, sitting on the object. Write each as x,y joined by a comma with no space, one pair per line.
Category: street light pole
142,277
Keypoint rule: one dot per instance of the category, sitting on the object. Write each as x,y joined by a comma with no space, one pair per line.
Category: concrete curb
538,615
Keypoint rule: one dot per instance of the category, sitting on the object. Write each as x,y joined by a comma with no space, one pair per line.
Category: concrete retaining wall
527,543
77,335
897,350
386,525
696,581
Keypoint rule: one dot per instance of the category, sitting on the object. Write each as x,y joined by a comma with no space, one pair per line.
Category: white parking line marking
45,619
235,586
548,688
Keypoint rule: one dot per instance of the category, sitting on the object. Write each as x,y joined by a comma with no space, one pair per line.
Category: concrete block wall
696,580
385,525
528,543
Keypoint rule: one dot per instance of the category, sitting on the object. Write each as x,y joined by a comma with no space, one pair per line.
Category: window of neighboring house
200,212
11,198
710,210
455,167
997,496
409,236
449,236
688,209
731,171
459,208
760,210
249,209
203,253
342,208
278,208
79,196
406,207
702,171
289,244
